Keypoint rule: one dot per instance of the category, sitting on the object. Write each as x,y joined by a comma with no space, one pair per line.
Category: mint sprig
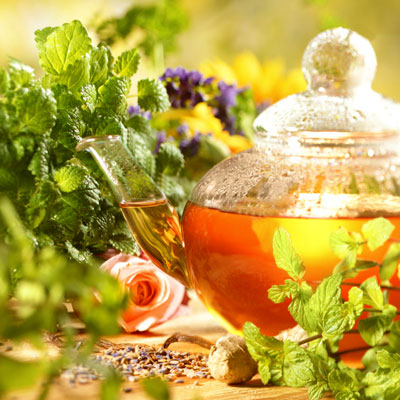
326,317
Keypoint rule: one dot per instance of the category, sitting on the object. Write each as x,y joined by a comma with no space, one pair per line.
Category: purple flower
161,138
182,129
136,110
227,98
184,88
133,110
190,147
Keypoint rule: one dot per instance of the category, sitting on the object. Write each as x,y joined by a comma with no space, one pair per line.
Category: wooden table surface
199,322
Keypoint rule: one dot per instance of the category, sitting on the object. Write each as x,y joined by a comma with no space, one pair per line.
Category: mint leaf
356,299
388,360
258,344
316,391
328,294
98,66
262,349
69,178
76,75
372,329
390,262
394,336
264,369
298,369
278,293
152,95
377,232
4,80
62,46
169,159
344,384
285,256
373,295
127,63
35,111
346,246
351,272
298,308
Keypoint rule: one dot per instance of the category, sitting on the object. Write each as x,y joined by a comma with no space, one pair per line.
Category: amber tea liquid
155,226
231,263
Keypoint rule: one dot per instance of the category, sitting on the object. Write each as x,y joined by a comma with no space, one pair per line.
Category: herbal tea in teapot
322,159
230,257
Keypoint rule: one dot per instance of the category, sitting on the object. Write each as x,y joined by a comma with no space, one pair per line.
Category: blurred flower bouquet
211,113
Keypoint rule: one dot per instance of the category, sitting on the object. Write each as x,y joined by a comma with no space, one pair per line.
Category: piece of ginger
229,360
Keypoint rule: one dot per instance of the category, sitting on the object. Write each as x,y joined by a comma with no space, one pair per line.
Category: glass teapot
324,158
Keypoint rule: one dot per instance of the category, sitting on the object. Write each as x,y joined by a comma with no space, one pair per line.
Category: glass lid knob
339,60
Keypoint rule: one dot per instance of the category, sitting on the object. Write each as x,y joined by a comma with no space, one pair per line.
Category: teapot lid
339,66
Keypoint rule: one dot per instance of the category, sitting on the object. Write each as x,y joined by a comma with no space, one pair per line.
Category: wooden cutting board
199,322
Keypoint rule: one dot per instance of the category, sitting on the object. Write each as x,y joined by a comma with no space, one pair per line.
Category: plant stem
394,288
376,310
319,336
310,339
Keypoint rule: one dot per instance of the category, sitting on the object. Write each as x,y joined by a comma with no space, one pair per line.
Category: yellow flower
201,119
269,81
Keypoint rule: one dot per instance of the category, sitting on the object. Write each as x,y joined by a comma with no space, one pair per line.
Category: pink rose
155,297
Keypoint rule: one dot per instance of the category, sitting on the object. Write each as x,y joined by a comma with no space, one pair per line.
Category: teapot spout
152,220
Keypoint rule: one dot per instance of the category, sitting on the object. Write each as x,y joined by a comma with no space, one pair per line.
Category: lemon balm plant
59,194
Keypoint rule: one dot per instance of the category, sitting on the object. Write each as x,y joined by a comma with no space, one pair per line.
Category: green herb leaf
373,295
278,293
346,246
62,46
156,388
259,345
298,369
351,272
35,111
152,95
344,384
110,387
377,232
113,93
99,66
316,391
4,80
388,360
372,329
390,262
127,63
13,370
169,159
76,75
285,256
299,309
356,299
89,96
20,74
69,178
